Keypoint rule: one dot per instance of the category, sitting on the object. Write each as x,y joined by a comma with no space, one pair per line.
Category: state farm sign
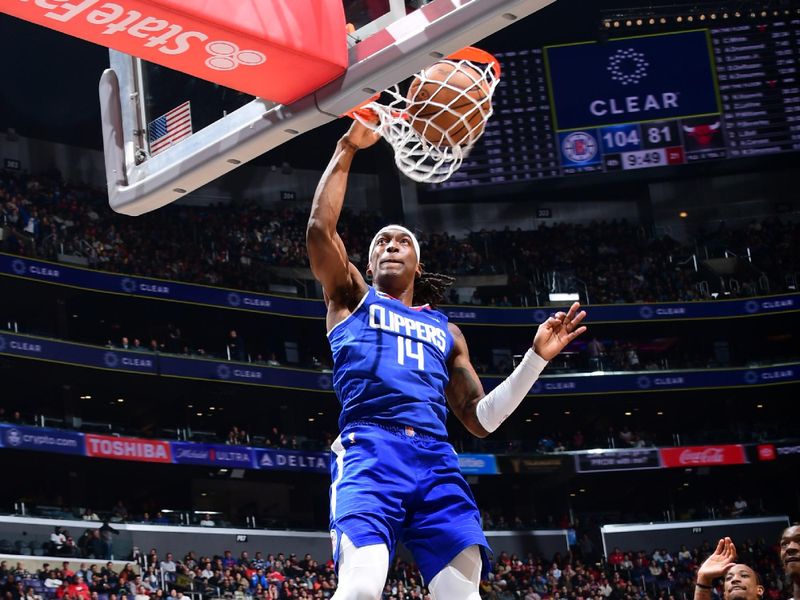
247,46
703,456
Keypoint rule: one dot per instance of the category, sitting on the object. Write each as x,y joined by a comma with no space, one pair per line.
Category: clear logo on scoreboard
630,80
627,66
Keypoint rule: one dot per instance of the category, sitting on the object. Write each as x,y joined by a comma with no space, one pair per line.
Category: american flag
170,128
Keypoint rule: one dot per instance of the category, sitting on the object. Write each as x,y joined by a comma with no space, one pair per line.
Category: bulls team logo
702,134
579,147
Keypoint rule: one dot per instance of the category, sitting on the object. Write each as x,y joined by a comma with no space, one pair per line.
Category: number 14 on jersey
408,349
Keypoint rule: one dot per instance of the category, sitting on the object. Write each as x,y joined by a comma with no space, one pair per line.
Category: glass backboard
388,40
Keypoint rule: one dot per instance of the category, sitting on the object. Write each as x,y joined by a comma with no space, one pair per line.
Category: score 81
660,134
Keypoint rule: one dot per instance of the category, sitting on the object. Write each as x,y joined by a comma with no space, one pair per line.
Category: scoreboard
641,102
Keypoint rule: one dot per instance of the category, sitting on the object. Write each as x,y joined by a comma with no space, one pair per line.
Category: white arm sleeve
497,405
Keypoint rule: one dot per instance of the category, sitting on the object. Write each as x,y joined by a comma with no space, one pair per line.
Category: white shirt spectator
52,583
168,566
59,539
207,522
739,506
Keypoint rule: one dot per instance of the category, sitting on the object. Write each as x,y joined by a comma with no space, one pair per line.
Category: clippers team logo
224,371
226,56
14,437
579,147
627,66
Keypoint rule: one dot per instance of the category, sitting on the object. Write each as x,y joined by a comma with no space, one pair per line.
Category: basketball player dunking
395,478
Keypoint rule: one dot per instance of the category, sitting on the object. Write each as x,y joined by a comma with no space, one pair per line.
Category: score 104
639,136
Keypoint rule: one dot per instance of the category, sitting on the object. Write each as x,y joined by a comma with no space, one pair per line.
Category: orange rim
477,55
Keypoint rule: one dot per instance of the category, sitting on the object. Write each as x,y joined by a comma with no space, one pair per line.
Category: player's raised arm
326,252
482,413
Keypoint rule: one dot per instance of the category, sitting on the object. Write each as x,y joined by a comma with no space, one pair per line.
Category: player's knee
358,589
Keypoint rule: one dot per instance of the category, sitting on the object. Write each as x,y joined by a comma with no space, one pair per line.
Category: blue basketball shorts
391,484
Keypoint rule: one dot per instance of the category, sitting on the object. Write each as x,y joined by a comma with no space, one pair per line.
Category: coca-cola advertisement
703,456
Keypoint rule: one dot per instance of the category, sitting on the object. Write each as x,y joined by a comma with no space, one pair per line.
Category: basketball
448,103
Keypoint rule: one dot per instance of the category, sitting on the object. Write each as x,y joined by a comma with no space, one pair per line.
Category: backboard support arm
394,53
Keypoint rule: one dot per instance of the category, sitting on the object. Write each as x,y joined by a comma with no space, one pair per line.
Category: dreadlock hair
429,288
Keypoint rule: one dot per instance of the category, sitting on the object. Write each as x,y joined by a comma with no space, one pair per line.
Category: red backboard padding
280,50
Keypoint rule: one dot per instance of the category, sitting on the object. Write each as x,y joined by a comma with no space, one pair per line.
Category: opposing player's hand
558,331
360,136
717,564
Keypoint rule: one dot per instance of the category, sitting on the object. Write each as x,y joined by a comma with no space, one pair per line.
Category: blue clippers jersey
390,364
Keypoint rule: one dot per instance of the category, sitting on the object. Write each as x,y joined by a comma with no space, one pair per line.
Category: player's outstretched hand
717,564
360,136
558,331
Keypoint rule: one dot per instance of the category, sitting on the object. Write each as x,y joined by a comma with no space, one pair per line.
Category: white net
433,131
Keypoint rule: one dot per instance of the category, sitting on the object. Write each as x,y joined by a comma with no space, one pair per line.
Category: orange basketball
449,98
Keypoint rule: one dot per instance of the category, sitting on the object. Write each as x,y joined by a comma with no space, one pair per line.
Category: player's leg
368,489
362,571
443,528
460,578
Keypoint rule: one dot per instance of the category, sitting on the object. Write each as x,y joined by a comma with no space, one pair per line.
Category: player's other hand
360,136
558,331
717,564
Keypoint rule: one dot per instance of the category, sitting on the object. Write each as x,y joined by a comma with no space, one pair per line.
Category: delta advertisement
159,289
42,439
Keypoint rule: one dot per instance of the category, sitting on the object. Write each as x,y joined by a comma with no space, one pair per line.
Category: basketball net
417,157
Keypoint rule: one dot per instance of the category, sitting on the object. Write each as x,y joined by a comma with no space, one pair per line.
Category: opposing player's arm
326,252
465,389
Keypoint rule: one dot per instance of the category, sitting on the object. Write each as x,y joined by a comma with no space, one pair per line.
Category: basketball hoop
431,142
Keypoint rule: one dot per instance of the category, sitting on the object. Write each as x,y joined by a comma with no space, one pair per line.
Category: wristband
703,586
498,404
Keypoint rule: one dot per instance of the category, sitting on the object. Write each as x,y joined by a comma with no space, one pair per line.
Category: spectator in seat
119,512
89,515
236,348
207,521
739,506
595,351
78,590
258,578
168,567
57,539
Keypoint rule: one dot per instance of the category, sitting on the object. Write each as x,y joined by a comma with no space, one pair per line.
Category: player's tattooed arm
465,389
